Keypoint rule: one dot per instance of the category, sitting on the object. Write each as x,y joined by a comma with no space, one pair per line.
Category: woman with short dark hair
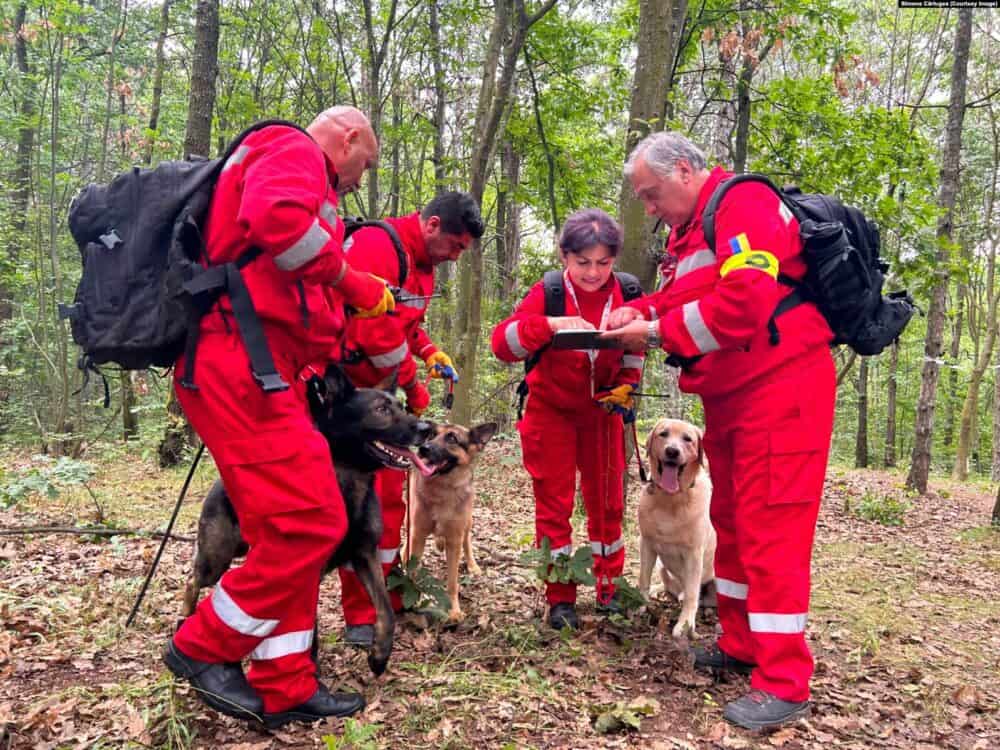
573,415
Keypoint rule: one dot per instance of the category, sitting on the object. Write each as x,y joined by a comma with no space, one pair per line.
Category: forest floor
905,629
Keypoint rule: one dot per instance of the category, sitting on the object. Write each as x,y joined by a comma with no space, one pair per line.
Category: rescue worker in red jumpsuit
377,349
570,421
277,192
768,409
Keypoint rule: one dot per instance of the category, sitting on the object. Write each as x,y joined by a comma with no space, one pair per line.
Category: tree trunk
440,94
204,70
861,440
511,25
659,28
966,430
995,516
197,142
954,351
995,472
922,443
890,407
742,141
21,182
158,67
511,228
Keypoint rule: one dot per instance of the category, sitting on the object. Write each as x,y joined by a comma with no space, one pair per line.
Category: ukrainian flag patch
739,244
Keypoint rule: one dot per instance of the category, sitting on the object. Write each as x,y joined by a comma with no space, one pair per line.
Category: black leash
166,536
650,395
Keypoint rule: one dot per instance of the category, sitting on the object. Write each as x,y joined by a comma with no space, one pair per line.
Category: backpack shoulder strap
555,294
631,288
712,207
352,226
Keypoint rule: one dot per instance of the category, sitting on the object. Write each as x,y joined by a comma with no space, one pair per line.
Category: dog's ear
701,446
481,434
338,386
650,436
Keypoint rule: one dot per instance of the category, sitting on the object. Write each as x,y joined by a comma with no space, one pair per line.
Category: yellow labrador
674,525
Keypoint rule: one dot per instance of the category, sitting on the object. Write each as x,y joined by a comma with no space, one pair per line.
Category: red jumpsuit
374,349
768,420
274,193
565,430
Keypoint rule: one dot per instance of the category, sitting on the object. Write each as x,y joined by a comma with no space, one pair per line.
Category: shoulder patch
739,244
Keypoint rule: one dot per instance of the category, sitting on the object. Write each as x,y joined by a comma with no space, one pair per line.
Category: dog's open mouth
396,457
670,475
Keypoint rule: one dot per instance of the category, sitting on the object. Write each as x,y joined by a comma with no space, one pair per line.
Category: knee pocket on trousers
796,468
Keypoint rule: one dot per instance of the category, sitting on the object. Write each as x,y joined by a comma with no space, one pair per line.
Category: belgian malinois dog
367,429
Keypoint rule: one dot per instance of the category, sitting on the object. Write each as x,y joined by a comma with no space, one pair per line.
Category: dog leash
166,536
638,456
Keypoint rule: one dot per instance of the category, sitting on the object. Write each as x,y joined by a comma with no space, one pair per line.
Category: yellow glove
437,364
386,304
621,396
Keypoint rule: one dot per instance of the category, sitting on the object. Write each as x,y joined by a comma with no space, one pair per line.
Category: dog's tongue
419,463
670,478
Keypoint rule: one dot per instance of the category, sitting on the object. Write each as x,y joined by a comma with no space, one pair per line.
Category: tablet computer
582,340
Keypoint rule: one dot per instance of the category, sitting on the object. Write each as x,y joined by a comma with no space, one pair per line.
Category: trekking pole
166,536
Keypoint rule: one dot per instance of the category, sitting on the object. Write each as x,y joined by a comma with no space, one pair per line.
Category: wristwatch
653,340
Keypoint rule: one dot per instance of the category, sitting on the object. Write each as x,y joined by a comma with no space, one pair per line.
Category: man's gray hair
661,151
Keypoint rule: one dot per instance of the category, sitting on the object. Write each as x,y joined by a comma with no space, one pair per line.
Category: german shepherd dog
367,429
443,497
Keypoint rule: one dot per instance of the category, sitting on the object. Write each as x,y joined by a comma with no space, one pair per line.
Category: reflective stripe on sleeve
514,340
237,157
390,358
697,328
693,262
386,556
328,213
304,249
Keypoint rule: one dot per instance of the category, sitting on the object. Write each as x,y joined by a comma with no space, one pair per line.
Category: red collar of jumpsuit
723,319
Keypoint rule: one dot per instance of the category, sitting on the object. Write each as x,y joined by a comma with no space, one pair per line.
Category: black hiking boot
223,687
760,710
714,659
563,615
612,607
362,636
322,704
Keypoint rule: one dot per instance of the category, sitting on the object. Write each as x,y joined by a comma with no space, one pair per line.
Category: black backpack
845,272
144,288
555,306
353,223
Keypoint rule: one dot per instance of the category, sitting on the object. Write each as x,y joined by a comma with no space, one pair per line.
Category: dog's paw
685,627
473,568
456,615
